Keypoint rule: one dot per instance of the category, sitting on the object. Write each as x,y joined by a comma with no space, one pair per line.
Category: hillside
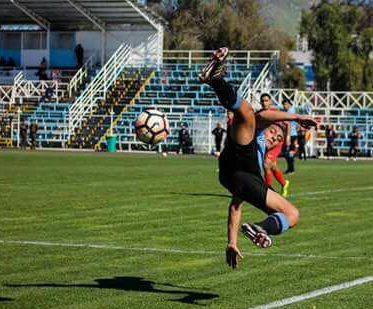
285,15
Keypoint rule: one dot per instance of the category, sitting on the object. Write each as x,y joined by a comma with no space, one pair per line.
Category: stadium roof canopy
74,15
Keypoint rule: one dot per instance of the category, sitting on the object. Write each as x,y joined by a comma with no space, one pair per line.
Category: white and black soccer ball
152,126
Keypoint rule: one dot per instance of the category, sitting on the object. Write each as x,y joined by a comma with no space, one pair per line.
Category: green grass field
84,230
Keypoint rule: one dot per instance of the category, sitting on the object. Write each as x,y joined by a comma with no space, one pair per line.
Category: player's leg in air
240,170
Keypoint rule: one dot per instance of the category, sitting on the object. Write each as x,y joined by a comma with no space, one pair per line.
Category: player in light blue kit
292,148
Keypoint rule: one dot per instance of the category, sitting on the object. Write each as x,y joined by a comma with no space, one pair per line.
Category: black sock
226,93
290,162
272,225
291,165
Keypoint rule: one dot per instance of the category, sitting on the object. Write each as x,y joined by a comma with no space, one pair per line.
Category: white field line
292,195
316,293
178,251
334,191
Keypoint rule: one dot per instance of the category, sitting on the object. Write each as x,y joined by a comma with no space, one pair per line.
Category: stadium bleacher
176,91
343,123
150,77
342,110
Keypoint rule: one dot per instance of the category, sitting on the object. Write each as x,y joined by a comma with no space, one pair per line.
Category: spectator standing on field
183,139
33,134
302,144
330,136
218,132
354,143
308,138
23,134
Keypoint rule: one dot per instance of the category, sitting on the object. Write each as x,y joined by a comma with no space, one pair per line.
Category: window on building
34,40
9,40
63,40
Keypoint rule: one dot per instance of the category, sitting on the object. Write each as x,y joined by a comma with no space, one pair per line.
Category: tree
292,77
337,35
367,54
238,24
214,23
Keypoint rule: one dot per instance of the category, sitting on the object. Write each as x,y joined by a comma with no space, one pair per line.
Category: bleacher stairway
100,121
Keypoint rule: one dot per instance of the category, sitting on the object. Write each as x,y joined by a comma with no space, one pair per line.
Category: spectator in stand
354,143
2,61
330,136
43,63
101,130
23,134
56,74
33,134
5,126
42,70
302,143
218,132
183,139
11,63
164,77
79,53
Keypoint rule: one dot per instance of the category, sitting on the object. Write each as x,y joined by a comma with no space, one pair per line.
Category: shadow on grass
133,284
202,194
5,299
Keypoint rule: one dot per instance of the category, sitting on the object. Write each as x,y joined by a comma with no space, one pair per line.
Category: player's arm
265,117
234,218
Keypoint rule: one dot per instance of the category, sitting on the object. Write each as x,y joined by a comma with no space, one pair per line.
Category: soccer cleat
220,54
215,68
257,235
284,190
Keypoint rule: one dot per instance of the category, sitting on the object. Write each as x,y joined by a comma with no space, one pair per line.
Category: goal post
201,131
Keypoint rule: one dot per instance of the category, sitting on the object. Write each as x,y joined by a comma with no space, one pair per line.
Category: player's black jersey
240,173
237,157
354,138
218,132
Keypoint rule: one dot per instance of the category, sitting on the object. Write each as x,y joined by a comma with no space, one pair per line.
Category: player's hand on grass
232,254
307,122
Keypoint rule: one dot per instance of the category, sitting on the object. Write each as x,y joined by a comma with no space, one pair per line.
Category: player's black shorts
240,174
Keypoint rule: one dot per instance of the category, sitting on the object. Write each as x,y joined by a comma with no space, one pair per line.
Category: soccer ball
152,126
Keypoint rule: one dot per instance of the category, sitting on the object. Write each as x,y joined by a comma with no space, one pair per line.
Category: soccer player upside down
241,164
